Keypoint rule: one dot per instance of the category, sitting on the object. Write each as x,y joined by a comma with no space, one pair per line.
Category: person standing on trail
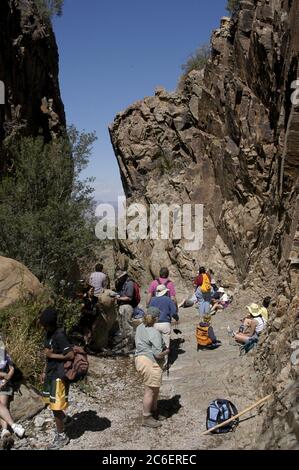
203,292
168,311
149,358
163,279
57,351
88,313
125,299
6,393
98,280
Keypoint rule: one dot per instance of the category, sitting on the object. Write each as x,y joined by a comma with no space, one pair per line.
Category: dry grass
23,337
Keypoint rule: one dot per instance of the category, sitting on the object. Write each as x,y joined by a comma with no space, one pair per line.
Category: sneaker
5,434
150,422
60,440
18,430
158,417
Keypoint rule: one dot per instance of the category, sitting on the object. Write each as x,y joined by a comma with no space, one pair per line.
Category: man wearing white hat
168,311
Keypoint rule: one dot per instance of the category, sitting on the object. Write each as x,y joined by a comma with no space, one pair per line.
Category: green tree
45,208
232,5
198,59
49,8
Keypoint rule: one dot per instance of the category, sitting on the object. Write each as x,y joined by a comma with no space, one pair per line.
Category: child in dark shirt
57,351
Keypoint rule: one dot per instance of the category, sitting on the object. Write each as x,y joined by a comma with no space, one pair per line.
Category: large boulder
106,322
16,282
26,403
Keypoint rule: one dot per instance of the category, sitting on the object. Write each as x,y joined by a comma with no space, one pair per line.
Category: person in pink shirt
163,279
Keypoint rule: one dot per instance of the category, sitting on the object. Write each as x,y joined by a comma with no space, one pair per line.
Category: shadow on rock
170,407
87,421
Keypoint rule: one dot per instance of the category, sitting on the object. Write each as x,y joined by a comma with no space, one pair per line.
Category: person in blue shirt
168,311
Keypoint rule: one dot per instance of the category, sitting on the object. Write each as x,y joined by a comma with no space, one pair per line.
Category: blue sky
115,52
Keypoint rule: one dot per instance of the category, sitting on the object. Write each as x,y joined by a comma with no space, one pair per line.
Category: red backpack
136,296
77,368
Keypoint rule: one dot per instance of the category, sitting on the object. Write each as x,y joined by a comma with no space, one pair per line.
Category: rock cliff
29,72
228,139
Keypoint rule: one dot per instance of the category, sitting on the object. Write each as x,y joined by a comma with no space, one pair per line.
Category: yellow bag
206,284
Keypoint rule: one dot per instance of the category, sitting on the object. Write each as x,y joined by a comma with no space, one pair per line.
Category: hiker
125,300
187,303
163,279
56,388
88,313
264,309
149,359
220,304
252,325
205,335
6,393
203,292
168,311
98,280
213,282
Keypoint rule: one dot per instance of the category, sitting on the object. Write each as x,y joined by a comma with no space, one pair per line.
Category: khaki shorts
150,371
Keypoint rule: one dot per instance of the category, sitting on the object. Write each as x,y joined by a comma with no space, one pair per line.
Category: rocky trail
107,413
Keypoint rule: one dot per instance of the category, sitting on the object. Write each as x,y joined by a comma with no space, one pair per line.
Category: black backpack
219,411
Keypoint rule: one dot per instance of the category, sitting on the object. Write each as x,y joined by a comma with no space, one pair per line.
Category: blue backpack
219,411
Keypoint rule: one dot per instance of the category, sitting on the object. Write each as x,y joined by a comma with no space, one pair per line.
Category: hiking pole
260,402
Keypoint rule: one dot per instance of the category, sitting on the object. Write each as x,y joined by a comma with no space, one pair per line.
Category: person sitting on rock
264,309
89,313
221,304
56,389
168,312
149,358
205,336
252,326
6,393
163,279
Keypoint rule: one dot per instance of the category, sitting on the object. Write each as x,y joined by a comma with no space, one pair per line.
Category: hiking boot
158,417
150,422
18,430
60,440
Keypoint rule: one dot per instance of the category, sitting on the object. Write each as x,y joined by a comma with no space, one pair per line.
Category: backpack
206,284
219,411
77,369
136,295
166,284
202,336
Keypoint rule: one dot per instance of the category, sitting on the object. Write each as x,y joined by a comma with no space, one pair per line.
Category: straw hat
254,310
161,290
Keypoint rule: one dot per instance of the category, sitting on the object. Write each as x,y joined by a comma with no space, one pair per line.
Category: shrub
24,336
49,8
45,208
232,5
198,59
